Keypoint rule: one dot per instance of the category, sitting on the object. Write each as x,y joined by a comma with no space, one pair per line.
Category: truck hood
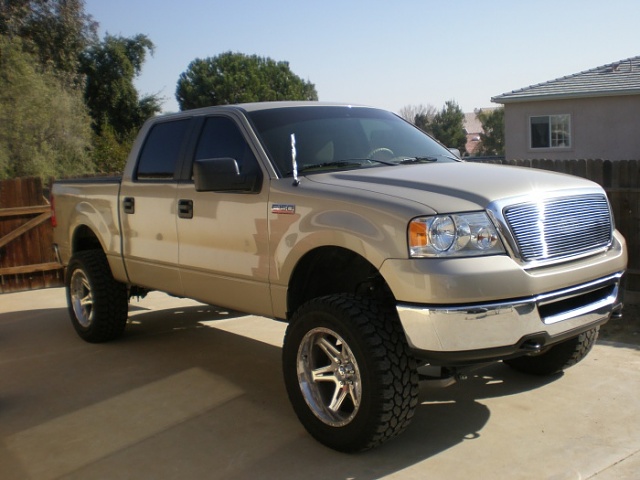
453,187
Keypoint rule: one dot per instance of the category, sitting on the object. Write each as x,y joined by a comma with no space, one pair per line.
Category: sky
387,54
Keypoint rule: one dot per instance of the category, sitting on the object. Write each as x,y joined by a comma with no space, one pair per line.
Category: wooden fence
27,260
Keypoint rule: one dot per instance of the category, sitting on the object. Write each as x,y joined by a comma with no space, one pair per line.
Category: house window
551,131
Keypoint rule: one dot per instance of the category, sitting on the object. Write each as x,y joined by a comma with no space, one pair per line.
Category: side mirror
224,175
456,152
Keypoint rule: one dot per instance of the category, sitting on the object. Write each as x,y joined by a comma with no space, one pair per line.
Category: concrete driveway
195,392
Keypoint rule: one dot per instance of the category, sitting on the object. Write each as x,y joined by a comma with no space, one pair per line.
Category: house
473,130
593,114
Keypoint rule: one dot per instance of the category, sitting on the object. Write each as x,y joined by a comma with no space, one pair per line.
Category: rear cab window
160,154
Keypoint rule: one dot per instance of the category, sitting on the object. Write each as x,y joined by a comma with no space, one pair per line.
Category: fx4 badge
283,209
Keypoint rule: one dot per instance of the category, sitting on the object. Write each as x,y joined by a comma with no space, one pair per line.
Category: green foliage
492,138
448,127
44,125
49,54
110,152
110,68
55,31
420,115
237,78
424,122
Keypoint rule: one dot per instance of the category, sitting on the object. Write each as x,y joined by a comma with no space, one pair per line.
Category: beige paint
236,248
239,251
604,128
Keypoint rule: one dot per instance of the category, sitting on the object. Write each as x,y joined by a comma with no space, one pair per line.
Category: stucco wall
605,128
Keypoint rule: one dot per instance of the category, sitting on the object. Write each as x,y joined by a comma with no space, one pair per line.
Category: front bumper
478,332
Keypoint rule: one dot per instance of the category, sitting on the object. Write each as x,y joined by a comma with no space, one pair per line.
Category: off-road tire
383,376
558,357
98,304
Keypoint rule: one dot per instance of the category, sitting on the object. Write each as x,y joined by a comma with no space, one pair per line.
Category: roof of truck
252,107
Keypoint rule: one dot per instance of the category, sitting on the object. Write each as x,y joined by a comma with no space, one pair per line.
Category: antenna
296,181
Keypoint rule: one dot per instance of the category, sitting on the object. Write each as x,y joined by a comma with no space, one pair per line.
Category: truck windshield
342,138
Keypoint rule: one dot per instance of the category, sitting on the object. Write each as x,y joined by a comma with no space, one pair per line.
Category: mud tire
344,333
98,304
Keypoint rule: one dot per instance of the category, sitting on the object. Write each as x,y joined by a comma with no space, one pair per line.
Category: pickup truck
389,257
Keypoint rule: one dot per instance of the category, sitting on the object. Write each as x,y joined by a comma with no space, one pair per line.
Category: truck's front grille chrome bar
560,227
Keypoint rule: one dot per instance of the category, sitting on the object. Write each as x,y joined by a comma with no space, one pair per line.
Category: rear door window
160,154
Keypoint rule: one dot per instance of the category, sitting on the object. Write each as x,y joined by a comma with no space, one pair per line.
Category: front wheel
98,304
348,371
558,357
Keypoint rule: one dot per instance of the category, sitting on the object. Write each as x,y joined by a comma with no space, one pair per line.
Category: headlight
458,235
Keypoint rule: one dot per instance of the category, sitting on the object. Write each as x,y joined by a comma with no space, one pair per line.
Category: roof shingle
618,78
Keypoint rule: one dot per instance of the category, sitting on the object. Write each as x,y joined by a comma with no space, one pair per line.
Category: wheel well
85,239
331,270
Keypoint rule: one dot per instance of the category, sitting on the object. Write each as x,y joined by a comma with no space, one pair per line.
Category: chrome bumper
504,328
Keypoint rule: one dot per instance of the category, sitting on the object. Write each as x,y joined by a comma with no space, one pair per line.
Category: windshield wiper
338,164
350,163
384,162
411,160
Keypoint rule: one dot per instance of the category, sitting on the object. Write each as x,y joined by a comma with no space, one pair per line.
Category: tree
63,44
448,126
109,152
110,68
237,78
420,115
492,136
45,126
55,31
114,103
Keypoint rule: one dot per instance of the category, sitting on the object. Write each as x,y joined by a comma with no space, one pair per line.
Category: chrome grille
560,227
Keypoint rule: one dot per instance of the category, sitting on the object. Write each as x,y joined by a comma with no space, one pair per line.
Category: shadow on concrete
623,332
145,322
177,398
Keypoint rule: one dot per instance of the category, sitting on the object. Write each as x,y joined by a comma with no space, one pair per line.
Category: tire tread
109,297
395,367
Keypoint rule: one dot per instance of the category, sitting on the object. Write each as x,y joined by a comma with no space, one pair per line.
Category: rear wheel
558,357
349,373
97,302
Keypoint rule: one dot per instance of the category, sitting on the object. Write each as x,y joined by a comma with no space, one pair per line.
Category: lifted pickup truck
382,251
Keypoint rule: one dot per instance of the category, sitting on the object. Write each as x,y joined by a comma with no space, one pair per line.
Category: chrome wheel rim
329,377
81,298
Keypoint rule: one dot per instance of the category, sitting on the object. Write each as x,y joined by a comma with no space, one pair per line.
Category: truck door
223,235
148,209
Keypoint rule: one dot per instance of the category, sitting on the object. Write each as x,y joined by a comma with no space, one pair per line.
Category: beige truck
389,257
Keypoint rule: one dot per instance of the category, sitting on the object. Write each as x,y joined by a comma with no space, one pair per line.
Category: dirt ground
625,329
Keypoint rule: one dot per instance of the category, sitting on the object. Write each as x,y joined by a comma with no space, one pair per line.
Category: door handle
129,205
185,208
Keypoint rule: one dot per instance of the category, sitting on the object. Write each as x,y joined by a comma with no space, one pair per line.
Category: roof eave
508,98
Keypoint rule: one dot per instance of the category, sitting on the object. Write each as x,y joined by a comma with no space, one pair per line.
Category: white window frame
559,132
